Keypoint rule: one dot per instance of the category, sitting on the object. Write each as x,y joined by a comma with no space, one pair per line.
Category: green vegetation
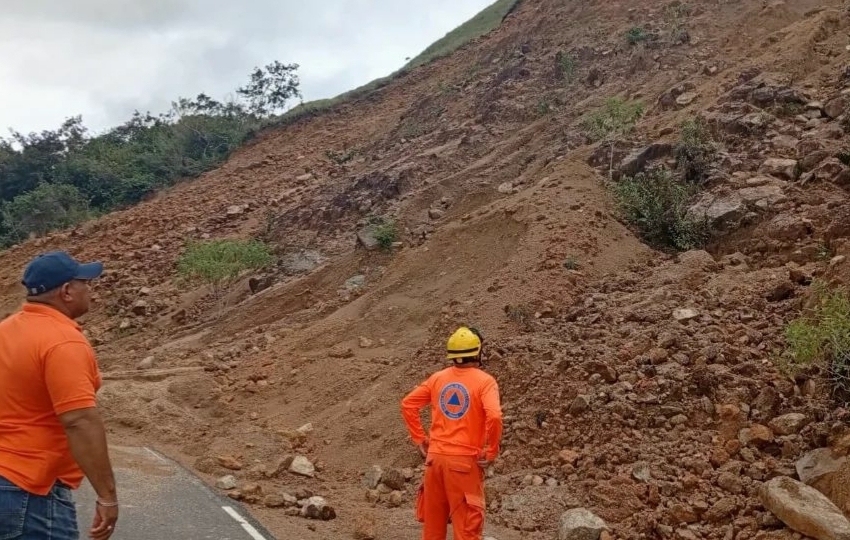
571,263
53,178
543,107
822,337
219,261
127,163
637,35
695,150
567,65
386,233
483,23
340,158
675,15
615,119
656,203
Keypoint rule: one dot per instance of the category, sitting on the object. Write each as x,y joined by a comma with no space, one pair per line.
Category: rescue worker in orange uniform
466,430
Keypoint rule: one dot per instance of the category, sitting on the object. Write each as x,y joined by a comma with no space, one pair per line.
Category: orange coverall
466,425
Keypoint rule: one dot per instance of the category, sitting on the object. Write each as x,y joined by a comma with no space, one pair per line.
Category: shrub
219,261
636,35
543,107
567,65
656,203
386,234
822,336
615,119
571,263
695,150
340,158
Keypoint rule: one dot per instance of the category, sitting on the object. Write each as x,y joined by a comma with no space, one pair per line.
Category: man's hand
484,464
423,448
105,518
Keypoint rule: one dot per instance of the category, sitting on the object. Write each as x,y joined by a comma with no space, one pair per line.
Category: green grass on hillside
485,22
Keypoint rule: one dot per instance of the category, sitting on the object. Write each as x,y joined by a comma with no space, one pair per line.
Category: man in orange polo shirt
466,431
51,433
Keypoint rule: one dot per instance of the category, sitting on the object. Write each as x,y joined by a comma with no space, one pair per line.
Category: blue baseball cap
51,270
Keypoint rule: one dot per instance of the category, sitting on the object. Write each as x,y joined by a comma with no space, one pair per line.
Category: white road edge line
245,525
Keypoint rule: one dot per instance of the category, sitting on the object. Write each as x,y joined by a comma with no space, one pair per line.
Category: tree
271,88
47,207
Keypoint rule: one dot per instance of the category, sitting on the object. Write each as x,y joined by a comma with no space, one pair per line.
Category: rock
757,435
641,472
638,159
579,405
366,343
812,159
721,510
147,363
788,424
804,509
686,99
304,178
817,468
730,482
373,477
226,482
835,107
365,527
596,77
367,237
828,170
229,462
140,307
720,211
235,210
784,168
686,314
763,96
568,456
436,213
762,196
393,479
302,467
408,474
505,188
274,500
710,70
683,513
354,282
580,524
395,499
317,508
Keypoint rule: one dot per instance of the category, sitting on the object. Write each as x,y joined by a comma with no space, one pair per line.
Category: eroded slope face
639,385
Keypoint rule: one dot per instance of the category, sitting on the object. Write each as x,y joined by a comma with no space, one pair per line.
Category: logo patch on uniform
454,401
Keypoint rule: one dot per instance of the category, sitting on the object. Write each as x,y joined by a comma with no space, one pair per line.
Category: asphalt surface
162,500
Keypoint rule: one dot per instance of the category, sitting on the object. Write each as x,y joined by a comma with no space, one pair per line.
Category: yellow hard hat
464,343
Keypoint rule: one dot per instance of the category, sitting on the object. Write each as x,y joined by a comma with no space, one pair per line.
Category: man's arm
493,414
87,440
410,406
71,378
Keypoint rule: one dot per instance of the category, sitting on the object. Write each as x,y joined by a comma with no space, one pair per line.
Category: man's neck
53,305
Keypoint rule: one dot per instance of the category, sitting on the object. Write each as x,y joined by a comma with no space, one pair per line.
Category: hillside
650,387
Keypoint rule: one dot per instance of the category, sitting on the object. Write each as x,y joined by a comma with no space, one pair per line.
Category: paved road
162,500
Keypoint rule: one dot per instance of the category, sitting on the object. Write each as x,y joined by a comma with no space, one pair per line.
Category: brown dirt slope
611,401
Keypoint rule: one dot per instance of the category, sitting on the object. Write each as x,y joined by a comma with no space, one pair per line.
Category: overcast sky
105,58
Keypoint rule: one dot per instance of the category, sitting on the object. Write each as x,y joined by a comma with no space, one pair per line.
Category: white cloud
105,58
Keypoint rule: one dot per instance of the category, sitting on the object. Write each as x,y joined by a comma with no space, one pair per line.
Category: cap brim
89,271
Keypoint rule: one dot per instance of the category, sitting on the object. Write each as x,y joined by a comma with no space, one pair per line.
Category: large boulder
804,509
781,167
636,161
580,524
